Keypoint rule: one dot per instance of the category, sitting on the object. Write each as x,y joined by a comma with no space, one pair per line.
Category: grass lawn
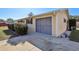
3,35
74,36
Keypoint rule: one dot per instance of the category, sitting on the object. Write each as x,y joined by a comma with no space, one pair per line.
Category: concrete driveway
47,42
19,47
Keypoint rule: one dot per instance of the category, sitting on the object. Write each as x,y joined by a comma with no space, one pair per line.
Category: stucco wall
30,28
54,24
58,25
61,26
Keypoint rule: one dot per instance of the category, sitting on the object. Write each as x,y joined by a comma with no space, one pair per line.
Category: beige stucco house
52,23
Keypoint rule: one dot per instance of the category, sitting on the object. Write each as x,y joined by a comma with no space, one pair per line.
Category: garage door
44,25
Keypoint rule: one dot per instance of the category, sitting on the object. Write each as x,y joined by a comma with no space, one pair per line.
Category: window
31,21
64,20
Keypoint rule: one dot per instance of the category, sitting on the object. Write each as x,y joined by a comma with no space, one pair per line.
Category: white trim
45,17
56,25
53,33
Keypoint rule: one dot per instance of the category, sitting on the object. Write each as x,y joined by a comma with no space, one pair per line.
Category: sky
17,13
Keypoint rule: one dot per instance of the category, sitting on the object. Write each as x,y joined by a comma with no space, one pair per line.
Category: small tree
2,20
30,14
30,17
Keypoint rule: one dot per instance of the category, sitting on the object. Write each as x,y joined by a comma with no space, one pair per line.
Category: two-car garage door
44,25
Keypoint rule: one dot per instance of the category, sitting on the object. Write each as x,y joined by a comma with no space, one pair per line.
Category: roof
22,19
52,12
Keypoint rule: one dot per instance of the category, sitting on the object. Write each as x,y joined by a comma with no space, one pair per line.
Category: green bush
11,27
74,36
21,29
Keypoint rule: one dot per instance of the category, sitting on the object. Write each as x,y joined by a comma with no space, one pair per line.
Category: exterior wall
77,24
43,16
61,26
54,24
58,24
30,28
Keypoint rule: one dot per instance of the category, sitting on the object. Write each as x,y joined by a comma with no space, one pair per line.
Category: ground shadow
10,32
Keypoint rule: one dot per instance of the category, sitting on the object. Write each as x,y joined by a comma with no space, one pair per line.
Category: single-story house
77,24
52,23
22,20
26,20
3,23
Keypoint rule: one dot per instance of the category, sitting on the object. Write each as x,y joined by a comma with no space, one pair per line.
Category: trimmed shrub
21,29
11,27
74,36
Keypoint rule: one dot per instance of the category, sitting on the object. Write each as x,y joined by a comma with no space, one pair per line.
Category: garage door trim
49,24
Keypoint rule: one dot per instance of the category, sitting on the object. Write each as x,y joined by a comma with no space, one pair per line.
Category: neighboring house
3,23
51,23
22,20
27,20
77,24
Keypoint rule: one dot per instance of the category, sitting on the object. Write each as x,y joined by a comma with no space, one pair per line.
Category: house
22,20
26,20
77,24
52,23
3,23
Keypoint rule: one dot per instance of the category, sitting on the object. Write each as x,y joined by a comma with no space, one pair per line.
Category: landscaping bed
20,29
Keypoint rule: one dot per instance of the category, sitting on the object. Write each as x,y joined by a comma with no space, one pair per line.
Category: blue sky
17,13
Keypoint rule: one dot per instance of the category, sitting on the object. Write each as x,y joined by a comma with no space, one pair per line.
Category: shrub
21,29
11,27
74,36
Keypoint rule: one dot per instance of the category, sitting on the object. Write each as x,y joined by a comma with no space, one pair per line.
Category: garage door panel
44,25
